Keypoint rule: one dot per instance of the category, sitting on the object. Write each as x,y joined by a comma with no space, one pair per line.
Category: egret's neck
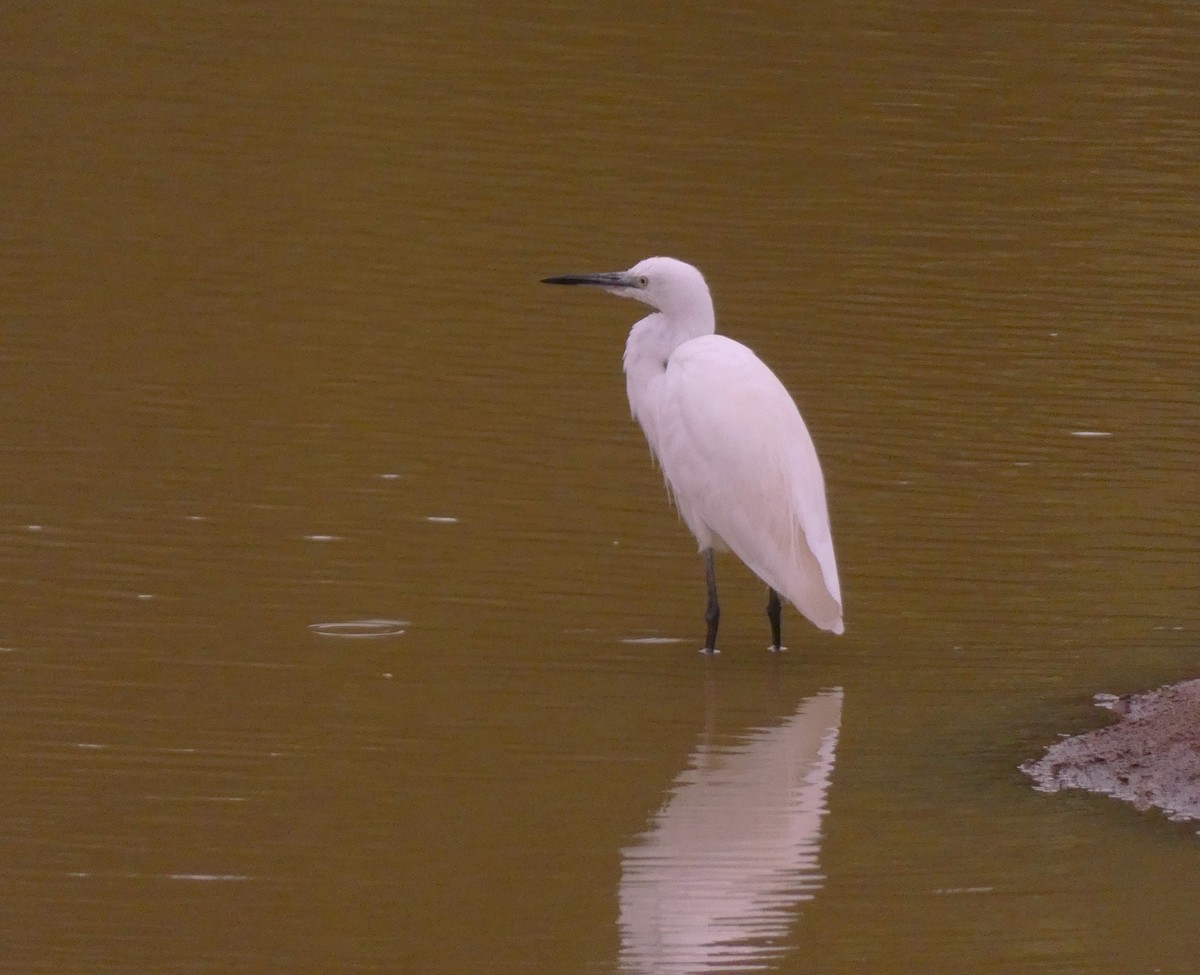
649,347
690,315
656,336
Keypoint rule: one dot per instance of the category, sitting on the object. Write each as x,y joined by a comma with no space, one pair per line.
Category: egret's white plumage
736,455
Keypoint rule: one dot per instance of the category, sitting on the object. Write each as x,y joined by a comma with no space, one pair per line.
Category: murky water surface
345,625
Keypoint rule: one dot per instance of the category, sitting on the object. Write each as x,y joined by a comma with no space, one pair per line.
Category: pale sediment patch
1150,757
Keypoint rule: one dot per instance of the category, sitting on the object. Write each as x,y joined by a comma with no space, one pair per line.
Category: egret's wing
742,465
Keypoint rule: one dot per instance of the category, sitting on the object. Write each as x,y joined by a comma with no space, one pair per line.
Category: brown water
275,358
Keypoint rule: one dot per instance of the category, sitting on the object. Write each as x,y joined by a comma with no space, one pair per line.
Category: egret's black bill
611,279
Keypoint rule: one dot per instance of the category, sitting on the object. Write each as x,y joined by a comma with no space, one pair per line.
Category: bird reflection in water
714,883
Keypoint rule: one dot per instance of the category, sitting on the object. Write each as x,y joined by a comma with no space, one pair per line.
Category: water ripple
361,629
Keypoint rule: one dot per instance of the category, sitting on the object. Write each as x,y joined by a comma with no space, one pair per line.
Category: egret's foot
709,651
776,648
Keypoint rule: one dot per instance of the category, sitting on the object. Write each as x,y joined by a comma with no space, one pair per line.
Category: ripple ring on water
360,629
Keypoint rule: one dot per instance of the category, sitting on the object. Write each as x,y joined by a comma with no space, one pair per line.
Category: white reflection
714,883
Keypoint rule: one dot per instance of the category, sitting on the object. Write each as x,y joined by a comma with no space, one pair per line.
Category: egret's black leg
712,615
773,610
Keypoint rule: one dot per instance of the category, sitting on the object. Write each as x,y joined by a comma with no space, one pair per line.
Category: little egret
735,453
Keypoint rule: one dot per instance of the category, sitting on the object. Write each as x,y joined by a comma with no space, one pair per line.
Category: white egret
732,446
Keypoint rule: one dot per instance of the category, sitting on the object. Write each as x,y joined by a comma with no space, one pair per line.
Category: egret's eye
643,281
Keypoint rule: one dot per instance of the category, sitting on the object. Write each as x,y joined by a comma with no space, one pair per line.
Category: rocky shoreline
1150,757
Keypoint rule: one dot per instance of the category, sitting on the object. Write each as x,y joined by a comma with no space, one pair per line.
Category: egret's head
665,284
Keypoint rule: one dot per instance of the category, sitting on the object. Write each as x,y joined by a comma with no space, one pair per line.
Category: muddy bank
1150,757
